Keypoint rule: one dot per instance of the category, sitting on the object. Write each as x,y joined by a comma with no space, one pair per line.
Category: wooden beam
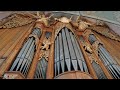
50,68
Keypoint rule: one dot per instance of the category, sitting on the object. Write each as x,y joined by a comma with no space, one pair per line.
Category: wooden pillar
50,68
7,63
36,58
90,68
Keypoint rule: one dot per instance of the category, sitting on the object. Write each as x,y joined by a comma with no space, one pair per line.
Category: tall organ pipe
41,69
24,58
68,55
107,59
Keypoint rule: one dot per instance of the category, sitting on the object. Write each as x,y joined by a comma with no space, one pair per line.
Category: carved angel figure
46,43
44,19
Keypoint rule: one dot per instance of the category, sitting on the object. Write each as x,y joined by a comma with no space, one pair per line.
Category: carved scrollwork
17,20
106,32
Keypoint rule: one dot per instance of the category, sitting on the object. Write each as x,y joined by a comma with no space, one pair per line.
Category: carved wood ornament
45,48
16,20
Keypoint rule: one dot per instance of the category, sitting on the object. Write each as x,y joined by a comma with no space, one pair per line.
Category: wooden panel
112,46
10,38
9,59
74,75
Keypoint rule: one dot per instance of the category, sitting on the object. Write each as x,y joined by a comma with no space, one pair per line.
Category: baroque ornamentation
64,19
106,32
43,19
45,48
16,20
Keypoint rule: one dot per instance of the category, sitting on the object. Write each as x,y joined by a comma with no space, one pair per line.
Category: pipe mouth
74,75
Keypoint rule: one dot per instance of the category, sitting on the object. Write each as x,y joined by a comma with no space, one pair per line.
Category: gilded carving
44,52
64,19
17,20
43,19
87,47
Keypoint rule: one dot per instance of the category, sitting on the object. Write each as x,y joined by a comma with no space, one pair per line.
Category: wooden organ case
35,49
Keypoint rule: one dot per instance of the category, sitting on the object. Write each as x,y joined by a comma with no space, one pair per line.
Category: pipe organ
58,51
68,56
26,54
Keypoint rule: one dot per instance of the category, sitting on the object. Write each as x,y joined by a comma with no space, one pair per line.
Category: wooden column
90,68
7,63
36,58
50,68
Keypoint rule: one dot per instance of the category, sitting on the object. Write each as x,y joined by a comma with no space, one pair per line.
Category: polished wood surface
74,75
112,46
16,46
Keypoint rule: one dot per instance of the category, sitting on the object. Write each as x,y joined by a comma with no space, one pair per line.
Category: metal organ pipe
68,56
107,59
24,58
41,69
